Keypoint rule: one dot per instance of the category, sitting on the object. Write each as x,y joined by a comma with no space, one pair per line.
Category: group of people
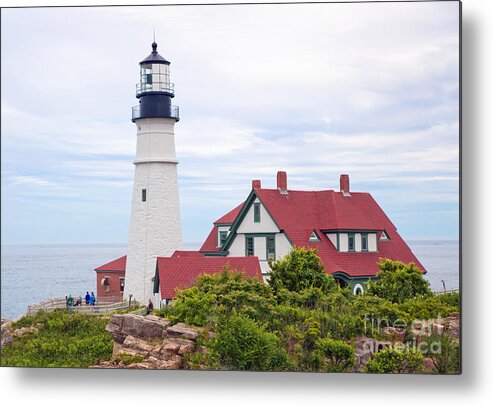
90,300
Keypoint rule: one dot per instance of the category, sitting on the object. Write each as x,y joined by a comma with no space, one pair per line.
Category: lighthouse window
144,195
149,78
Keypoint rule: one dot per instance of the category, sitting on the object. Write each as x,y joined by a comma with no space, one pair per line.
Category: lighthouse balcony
170,112
156,86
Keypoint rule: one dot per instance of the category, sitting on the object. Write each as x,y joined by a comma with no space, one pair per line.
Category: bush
427,308
398,282
241,344
391,361
192,307
444,352
338,354
64,340
452,299
299,270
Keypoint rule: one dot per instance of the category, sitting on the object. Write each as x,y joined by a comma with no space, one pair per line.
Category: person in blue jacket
92,300
88,298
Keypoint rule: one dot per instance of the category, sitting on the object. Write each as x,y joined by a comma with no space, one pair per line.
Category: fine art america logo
420,333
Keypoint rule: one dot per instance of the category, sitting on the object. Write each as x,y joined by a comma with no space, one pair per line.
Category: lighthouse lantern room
154,89
155,225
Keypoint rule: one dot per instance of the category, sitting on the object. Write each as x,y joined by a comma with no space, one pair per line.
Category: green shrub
391,361
444,352
427,308
191,306
299,270
339,355
451,299
241,344
64,340
398,282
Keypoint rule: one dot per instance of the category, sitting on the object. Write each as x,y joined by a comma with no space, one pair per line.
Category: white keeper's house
349,230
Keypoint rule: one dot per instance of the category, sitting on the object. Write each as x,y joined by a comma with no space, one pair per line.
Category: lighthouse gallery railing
174,112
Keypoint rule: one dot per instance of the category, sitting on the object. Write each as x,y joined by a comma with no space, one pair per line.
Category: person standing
88,298
69,302
92,299
150,307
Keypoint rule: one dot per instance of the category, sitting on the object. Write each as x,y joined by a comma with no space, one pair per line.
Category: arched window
358,289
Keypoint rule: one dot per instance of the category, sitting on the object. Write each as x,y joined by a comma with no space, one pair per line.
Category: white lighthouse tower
155,225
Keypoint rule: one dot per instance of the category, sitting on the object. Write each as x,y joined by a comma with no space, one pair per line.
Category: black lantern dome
154,89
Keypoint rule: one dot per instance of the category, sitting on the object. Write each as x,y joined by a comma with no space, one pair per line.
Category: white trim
153,160
358,286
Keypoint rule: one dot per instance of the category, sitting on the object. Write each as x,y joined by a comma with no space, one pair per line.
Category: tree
391,361
300,269
398,282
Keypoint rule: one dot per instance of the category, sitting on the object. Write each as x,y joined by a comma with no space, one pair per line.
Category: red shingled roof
230,216
119,264
299,213
210,243
181,272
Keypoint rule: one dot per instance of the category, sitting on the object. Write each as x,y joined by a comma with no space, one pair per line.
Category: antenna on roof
154,34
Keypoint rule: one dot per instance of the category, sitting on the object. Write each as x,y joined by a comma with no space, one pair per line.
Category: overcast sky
316,90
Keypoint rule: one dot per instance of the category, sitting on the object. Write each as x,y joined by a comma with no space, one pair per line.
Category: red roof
230,216
119,264
181,272
299,213
210,243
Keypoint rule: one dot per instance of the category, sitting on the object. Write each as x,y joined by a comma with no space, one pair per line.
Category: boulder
182,329
132,352
437,328
117,320
138,344
132,325
136,336
362,357
154,328
428,365
170,347
117,349
173,363
6,324
395,334
115,332
7,337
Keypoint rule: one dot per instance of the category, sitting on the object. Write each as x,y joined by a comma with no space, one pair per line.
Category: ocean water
33,273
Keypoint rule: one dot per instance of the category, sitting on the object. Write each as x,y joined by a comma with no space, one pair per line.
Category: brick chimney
344,182
256,184
282,181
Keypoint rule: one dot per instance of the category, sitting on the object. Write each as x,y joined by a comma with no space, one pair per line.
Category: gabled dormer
354,240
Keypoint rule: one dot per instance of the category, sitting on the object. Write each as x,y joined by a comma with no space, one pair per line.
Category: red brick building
110,278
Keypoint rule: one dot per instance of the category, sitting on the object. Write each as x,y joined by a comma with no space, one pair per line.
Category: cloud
317,90
29,180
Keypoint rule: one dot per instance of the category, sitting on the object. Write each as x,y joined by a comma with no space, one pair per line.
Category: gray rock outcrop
148,342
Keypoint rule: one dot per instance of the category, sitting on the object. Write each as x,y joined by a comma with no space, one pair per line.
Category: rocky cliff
148,342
